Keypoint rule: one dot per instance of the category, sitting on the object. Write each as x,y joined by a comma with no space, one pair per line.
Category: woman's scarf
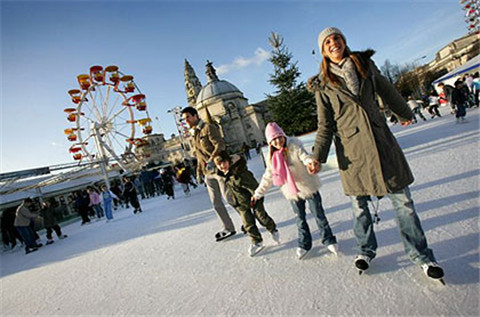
281,173
347,71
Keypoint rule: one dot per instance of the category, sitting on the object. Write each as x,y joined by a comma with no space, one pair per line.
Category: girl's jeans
304,235
411,231
98,209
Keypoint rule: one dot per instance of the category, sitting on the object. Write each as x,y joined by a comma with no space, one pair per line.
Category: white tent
473,65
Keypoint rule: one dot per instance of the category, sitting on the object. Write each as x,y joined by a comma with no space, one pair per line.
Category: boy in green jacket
242,184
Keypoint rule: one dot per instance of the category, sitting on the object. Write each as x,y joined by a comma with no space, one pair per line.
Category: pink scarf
281,173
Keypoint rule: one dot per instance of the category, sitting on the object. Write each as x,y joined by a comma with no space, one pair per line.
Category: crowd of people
20,226
462,95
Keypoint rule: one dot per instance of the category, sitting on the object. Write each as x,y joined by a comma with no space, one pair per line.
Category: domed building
221,102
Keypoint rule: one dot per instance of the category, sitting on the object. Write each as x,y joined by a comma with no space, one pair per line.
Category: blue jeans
411,231
304,235
28,236
98,209
107,204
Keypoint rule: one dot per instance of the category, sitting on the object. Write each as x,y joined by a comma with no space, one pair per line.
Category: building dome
216,89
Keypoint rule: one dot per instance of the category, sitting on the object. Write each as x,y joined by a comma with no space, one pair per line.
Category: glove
210,167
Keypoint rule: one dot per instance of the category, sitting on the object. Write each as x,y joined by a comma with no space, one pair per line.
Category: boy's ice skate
275,236
255,248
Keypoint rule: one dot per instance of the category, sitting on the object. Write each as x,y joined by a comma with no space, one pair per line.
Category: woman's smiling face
334,48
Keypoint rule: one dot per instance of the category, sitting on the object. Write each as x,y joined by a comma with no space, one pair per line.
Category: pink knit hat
273,131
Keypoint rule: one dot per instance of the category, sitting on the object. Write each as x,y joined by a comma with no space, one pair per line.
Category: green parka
241,182
370,161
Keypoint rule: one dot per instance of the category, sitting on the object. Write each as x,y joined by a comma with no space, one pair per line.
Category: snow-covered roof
470,66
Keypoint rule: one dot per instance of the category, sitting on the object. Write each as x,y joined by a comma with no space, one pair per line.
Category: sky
46,44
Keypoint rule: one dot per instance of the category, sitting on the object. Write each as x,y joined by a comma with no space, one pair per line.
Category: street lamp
419,58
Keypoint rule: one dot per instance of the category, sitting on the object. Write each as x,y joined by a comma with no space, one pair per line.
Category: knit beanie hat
273,131
326,33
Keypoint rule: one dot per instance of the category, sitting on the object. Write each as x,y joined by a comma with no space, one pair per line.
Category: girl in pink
287,167
95,201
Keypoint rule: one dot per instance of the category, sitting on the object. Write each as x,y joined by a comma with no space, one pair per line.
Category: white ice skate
255,248
333,248
301,253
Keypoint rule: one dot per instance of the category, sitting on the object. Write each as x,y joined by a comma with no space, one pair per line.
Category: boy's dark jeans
259,213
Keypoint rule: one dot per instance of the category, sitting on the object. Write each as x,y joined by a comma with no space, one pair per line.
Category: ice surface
165,260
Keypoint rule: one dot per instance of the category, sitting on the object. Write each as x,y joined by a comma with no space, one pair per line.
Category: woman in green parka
370,161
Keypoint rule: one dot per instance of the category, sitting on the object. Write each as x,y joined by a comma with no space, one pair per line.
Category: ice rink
165,260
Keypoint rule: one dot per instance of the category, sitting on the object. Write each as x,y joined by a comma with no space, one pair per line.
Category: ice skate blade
225,236
257,252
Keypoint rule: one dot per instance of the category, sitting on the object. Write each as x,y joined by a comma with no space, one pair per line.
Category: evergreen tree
292,106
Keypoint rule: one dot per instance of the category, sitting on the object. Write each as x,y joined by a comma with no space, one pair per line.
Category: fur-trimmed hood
316,82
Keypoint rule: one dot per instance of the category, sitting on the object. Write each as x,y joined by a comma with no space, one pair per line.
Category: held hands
253,201
314,167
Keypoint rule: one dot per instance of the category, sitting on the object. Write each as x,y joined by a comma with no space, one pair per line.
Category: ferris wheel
108,114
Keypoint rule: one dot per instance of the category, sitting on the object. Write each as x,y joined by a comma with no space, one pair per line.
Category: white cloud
55,144
258,58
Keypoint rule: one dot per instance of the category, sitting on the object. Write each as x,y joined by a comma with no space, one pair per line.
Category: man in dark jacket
242,184
459,101
130,193
9,233
50,223
81,205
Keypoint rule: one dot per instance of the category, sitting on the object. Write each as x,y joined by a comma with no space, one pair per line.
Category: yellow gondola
84,81
143,122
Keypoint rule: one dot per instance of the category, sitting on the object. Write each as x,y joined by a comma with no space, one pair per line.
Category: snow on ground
165,261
